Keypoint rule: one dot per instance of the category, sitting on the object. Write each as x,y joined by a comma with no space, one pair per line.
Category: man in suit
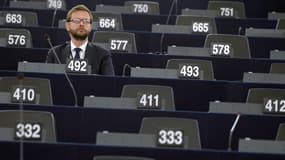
79,25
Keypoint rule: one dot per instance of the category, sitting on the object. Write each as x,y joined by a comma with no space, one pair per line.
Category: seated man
79,25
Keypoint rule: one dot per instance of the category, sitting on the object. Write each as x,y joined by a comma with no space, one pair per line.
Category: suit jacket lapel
66,52
89,53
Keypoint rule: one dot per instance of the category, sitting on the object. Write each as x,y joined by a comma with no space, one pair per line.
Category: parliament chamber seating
38,90
116,41
14,121
204,66
10,37
228,8
108,21
186,129
144,7
235,103
22,18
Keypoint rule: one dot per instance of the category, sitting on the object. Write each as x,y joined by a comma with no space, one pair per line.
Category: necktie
77,51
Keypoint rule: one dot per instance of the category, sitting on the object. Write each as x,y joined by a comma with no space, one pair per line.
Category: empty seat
281,132
277,68
151,96
116,41
120,158
256,32
228,8
200,12
185,131
280,24
108,21
204,69
38,90
144,7
199,24
225,45
12,123
15,38
258,95
39,4
113,9
18,18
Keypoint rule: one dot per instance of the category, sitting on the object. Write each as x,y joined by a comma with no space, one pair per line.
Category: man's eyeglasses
78,20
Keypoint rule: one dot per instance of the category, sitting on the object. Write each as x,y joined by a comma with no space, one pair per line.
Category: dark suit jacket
99,58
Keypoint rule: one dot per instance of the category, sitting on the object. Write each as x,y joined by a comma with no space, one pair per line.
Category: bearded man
79,24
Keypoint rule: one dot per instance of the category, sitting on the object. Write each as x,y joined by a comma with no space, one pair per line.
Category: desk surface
148,42
60,151
224,68
224,25
254,8
193,95
80,125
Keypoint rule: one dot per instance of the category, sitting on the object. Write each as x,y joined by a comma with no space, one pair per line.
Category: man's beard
78,36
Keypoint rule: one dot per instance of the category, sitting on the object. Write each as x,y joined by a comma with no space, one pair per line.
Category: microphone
232,131
20,79
174,2
125,67
53,16
47,37
239,30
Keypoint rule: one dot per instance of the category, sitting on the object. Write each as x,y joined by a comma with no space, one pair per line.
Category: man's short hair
79,7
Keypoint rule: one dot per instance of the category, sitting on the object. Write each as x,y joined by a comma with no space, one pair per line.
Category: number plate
77,66
16,40
140,8
191,71
52,4
221,49
274,105
227,12
28,131
107,23
24,94
15,19
148,100
121,45
201,27
170,138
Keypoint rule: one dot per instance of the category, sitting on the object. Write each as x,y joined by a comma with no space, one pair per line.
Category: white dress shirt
81,53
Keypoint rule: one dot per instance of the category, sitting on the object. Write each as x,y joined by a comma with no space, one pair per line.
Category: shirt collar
82,47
